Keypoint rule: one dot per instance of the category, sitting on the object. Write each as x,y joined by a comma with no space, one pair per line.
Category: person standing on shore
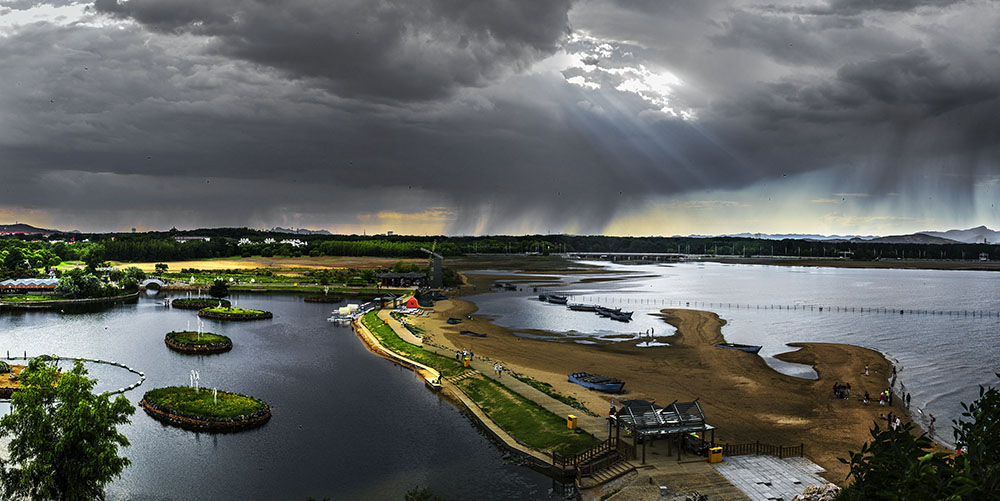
866,398
866,369
907,400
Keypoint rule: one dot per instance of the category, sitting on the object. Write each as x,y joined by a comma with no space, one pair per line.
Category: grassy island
193,342
228,313
197,303
200,410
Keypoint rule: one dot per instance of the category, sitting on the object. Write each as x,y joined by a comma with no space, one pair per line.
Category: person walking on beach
907,400
866,369
866,398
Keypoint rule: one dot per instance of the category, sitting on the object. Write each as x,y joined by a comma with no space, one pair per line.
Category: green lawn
530,423
385,334
28,297
547,389
186,400
192,337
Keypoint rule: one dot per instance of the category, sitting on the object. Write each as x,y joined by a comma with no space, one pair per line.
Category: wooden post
644,452
680,445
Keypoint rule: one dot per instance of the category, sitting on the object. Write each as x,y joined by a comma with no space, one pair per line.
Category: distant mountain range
975,235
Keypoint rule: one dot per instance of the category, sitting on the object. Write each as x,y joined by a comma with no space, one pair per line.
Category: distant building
192,239
984,256
29,286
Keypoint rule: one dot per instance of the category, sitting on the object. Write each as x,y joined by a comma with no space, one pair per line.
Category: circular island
197,303
227,313
198,343
205,409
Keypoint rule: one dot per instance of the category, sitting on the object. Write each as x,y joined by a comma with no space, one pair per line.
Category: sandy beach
742,396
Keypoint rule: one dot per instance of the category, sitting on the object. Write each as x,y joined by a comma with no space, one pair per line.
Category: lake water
943,358
346,424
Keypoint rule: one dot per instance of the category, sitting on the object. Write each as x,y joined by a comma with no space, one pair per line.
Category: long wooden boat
749,348
595,382
625,316
558,299
583,307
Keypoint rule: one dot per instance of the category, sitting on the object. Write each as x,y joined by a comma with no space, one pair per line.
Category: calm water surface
943,357
346,424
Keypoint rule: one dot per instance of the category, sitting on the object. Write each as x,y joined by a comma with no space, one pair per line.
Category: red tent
412,303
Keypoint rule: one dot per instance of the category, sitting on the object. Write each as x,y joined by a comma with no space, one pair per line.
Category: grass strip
529,422
445,365
522,418
547,389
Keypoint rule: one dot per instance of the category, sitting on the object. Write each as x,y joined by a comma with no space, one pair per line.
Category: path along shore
742,396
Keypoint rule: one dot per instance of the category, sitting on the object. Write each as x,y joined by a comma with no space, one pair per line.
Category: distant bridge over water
634,256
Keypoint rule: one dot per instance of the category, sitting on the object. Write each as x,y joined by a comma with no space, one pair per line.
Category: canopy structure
645,421
29,284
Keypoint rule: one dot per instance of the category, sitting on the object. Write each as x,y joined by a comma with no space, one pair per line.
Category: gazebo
644,421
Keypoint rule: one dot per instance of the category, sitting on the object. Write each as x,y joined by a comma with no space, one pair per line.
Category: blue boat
749,348
595,382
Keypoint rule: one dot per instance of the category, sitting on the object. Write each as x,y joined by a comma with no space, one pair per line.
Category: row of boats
612,313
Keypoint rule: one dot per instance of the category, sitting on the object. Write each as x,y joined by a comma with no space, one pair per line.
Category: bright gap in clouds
605,64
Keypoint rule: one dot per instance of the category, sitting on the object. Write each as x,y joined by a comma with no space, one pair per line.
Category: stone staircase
605,475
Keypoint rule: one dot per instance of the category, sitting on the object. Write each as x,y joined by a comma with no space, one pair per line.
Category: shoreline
901,264
744,397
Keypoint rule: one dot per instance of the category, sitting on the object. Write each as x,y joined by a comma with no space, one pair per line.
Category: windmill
435,273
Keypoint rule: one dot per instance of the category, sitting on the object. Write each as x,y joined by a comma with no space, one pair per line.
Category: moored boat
749,348
583,307
558,299
595,382
624,316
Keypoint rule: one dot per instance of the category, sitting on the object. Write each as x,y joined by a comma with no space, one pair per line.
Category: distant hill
915,238
24,229
970,236
300,231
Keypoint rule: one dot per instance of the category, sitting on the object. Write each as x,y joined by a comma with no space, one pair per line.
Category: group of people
464,354
842,390
894,421
498,369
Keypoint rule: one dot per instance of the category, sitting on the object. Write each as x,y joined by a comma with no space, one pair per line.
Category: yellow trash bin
467,362
715,455
571,422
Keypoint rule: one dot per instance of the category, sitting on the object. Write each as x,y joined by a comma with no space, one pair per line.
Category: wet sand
741,395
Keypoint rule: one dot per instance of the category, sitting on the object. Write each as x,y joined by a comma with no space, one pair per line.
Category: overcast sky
641,117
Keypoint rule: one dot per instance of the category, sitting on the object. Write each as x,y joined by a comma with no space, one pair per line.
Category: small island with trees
198,343
198,303
205,410
229,313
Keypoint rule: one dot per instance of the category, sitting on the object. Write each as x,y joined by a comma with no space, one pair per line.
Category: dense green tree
219,288
75,284
161,268
898,464
93,257
64,438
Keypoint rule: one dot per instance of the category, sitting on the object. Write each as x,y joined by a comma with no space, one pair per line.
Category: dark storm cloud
319,111
400,49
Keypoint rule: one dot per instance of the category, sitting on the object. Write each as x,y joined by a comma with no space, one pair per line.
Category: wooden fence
604,448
